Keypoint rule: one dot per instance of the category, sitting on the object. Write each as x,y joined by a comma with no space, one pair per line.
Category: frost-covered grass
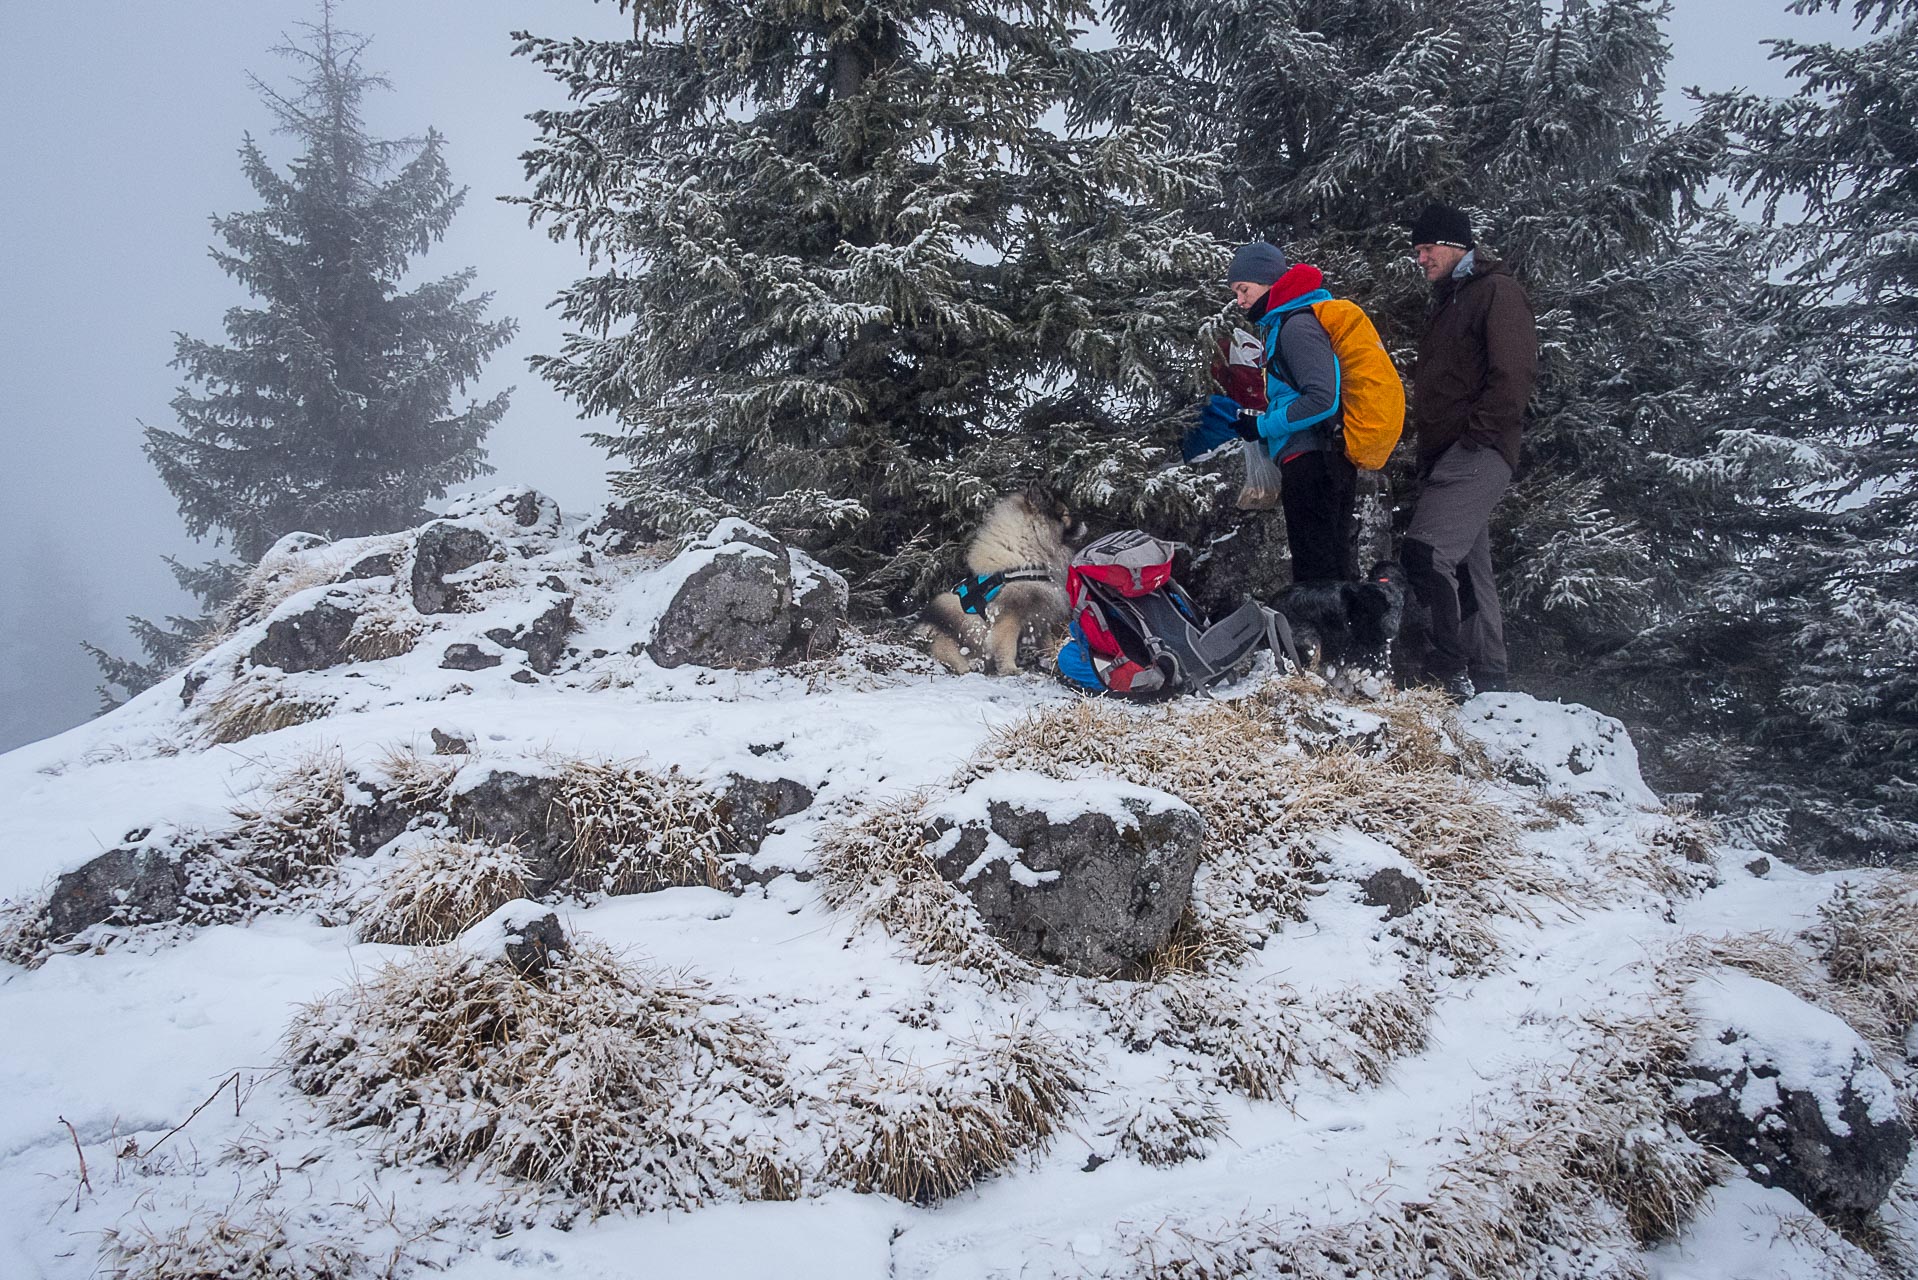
605,1081
432,888
637,830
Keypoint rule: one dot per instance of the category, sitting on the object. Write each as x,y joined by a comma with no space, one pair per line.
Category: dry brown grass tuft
925,1133
1167,1123
222,1246
608,1083
299,834
635,830
1868,939
1591,1154
254,704
419,782
875,864
376,637
23,931
438,888
1250,1047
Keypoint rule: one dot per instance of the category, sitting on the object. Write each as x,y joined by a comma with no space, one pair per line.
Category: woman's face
1248,293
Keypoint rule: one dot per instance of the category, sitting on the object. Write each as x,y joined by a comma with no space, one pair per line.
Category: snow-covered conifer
330,407
1802,644
858,272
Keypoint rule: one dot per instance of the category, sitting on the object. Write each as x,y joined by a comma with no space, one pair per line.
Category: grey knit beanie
1257,263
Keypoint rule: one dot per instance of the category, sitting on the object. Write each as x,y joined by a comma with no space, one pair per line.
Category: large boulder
442,548
733,610
138,883
746,600
1793,1094
1246,553
1091,876
308,639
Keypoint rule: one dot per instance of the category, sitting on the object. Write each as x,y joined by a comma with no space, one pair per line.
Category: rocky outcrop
624,527
503,806
309,640
543,639
444,548
1090,878
1793,1094
736,607
138,883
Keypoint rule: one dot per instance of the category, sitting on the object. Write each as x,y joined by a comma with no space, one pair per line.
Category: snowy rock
750,806
820,596
1561,748
524,935
444,548
381,564
543,639
1793,1094
1385,878
134,884
506,806
1090,876
525,508
735,611
468,657
310,639
623,527
1248,555
746,601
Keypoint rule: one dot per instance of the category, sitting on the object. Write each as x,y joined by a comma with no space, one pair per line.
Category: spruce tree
330,406
859,270
1803,644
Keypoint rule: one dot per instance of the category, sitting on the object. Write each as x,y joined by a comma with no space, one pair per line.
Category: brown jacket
1477,364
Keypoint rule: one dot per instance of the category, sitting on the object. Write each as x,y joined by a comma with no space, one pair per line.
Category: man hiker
1301,424
1476,366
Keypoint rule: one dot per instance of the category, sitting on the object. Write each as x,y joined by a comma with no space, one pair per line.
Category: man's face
1248,294
1437,260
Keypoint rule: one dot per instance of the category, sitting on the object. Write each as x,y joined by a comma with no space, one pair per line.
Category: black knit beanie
1257,263
1442,224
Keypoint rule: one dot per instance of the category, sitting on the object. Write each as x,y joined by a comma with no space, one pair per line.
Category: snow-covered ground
1434,1056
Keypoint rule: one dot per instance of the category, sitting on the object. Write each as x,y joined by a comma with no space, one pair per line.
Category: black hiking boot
1457,688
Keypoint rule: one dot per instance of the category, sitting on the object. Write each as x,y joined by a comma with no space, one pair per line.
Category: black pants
1318,490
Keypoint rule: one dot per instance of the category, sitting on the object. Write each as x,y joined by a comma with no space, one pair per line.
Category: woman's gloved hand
1221,422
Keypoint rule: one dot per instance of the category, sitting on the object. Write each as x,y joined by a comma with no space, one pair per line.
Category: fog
122,124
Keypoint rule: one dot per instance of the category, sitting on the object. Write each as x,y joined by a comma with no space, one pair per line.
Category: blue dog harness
978,591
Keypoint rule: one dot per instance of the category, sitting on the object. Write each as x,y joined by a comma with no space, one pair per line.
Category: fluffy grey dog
1024,536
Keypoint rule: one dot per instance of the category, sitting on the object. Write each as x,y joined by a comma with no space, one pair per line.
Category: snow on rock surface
1562,749
1415,1015
1794,1093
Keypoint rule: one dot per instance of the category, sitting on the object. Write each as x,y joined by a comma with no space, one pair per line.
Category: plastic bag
1261,490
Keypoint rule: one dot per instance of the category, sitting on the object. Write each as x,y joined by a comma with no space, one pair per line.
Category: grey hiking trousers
1448,557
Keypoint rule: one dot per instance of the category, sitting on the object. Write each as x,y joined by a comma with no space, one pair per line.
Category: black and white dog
1348,627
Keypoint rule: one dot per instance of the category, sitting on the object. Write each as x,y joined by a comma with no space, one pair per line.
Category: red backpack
1137,633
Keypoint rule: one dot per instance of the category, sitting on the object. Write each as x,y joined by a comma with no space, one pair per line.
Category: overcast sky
121,125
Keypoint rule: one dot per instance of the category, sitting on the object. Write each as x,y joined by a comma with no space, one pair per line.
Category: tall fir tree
1340,120
861,269
330,407
1799,650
